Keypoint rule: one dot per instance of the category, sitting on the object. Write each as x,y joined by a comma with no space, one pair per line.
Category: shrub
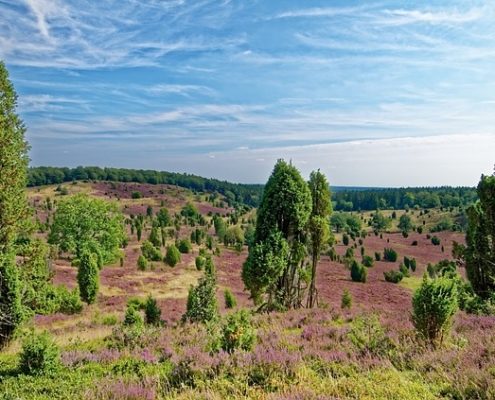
412,264
200,262
150,252
69,300
378,256
368,335
404,270
142,263
237,332
358,272
88,277
345,239
389,254
39,355
368,261
393,276
152,313
414,243
346,301
136,195
184,246
202,302
132,316
230,300
349,253
435,241
407,262
434,305
173,256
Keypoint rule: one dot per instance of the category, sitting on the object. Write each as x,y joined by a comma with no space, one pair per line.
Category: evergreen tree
318,224
480,240
284,213
13,204
88,276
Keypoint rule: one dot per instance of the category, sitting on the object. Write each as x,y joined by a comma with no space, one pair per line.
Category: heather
297,355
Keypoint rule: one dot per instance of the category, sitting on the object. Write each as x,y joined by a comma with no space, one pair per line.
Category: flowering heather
121,390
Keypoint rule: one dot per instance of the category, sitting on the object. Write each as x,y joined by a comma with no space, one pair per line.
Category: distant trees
274,265
405,223
379,222
480,240
13,205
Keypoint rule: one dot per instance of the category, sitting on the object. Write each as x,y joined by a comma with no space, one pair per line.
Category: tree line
235,193
403,198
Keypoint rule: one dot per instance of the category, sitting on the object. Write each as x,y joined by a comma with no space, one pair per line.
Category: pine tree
480,240
13,204
88,277
319,229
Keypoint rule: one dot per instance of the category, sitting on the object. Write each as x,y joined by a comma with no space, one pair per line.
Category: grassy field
369,351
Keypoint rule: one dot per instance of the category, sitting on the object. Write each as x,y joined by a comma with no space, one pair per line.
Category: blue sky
389,93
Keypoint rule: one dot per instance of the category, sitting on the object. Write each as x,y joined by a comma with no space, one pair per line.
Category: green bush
136,195
88,277
434,306
150,252
368,261
435,241
200,262
69,300
132,316
412,264
345,239
358,272
202,302
389,254
378,256
39,355
230,300
184,246
142,263
346,301
152,313
403,270
173,255
237,332
393,276
368,335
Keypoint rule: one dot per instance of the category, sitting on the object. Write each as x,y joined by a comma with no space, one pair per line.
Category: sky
385,93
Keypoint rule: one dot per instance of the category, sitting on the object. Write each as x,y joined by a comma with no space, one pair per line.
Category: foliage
368,336
200,262
82,221
346,301
318,226
389,254
393,276
202,302
184,246
480,240
150,252
39,355
368,261
233,236
345,239
172,257
379,222
237,332
358,272
152,313
154,237
434,305
13,205
435,240
405,223
142,263
283,214
132,316
88,276
230,300
264,266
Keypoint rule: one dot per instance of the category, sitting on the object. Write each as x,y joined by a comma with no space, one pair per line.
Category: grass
412,283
